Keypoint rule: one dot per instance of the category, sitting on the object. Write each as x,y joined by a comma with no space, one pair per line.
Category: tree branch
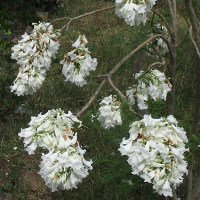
66,25
81,16
115,88
196,190
174,20
194,22
172,65
164,21
189,180
137,49
92,98
117,66
193,194
194,43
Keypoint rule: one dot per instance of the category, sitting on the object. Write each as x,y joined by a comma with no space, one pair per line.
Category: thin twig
62,18
164,61
67,25
194,43
115,88
164,21
137,49
92,98
100,76
157,63
81,16
117,66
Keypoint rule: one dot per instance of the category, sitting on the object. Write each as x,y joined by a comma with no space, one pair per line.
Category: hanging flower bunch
153,83
64,165
109,112
78,63
155,152
134,11
159,43
34,54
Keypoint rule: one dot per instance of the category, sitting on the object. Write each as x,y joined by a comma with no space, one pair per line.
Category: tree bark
172,65
194,194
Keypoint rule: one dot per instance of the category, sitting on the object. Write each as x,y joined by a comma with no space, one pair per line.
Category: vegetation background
110,39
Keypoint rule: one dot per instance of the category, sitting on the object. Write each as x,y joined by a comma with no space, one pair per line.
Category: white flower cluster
34,53
153,83
155,152
159,43
64,165
78,63
134,11
109,112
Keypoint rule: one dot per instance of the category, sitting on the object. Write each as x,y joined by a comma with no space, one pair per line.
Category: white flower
78,63
109,112
34,53
172,119
155,152
153,84
48,130
80,42
65,168
159,43
132,12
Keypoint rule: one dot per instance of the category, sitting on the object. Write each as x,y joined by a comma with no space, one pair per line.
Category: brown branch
172,65
115,88
62,18
170,7
118,65
157,63
100,76
174,20
164,21
137,49
92,98
189,180
196,190
194,193
164,61
194,43
194,22
66,25
81,16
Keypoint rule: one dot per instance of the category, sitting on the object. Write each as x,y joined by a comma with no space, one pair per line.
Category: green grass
110,39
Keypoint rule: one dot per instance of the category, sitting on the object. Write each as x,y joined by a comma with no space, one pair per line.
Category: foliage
109,41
